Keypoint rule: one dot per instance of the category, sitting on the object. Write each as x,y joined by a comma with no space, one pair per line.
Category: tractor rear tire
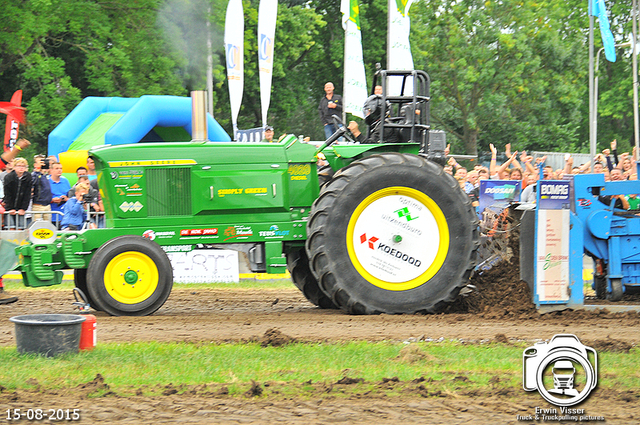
80,279
325,174
129,276
298,266
392,233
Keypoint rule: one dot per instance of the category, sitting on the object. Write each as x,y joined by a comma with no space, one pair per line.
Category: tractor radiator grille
169,191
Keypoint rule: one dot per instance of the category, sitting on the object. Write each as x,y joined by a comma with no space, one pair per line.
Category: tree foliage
502,70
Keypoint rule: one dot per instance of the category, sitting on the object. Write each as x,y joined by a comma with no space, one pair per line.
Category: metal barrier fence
93,219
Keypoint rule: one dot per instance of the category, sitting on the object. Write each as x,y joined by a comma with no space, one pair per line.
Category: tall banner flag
599,9
267,16
15,116
234,48
355,80
399,50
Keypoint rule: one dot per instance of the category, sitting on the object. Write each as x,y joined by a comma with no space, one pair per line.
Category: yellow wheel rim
131,277
397,238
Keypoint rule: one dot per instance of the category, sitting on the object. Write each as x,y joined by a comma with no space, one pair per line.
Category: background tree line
502,71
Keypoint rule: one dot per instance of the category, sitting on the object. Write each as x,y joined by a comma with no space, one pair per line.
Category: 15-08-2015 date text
32,414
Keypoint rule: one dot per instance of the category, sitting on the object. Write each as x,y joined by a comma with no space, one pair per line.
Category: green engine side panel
219,189
173,184
126,192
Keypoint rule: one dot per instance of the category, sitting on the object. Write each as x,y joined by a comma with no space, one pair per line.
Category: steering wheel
338,123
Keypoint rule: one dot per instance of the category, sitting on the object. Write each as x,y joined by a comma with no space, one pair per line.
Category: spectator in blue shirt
59,189
74,212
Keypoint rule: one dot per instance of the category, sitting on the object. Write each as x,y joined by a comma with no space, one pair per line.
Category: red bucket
88,336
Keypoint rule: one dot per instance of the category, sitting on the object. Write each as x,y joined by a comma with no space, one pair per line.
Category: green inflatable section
174,134
94,134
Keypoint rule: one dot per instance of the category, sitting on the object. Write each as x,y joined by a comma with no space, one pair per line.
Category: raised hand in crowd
494,157
568,164
568,159
513,157
523,156
8,156
624,156
494,151
502,170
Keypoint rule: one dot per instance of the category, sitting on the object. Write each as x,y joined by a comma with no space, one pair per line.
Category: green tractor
381,228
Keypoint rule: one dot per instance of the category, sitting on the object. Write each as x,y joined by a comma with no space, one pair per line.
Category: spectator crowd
523,167
45,194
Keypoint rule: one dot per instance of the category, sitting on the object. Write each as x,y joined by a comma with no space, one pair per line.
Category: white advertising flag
355,80
234,48
267,15
399,54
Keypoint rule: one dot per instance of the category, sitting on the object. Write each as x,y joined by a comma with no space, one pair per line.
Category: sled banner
552,242
495,196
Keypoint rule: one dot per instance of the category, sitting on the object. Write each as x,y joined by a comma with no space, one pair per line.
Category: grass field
447,366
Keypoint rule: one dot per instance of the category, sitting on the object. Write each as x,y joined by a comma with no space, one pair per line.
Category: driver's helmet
373,109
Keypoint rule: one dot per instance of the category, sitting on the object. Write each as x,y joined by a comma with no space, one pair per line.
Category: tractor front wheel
129,276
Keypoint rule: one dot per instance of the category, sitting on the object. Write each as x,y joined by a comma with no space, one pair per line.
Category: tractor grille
169,191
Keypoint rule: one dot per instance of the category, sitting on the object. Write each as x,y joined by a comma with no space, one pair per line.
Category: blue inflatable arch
134,119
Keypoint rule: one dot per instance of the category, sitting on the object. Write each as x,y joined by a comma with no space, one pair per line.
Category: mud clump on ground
275,338
501,338
413,354
255,390
350,381
611,345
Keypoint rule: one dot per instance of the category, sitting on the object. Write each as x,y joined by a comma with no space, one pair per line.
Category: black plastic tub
48,334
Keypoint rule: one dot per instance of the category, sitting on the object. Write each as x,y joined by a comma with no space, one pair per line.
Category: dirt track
241,315
500,309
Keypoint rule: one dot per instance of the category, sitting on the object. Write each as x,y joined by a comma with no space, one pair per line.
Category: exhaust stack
199,116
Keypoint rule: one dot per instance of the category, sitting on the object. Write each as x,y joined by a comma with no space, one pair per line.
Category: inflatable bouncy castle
117,120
